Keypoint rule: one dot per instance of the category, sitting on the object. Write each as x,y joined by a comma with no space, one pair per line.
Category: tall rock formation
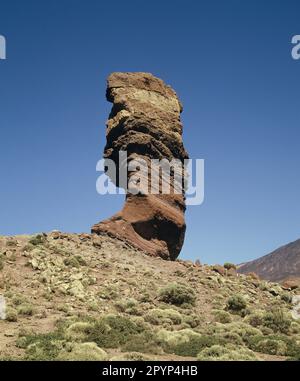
145,122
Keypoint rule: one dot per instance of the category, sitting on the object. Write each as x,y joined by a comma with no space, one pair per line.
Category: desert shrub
222,316
18,299
236,303
231,337
42,347
144,297
179,273
287,297
186,342
112,331
27,248
235,332
11,243
295,327
80,260
272,347
38,239
79,331
82,352
63,308
177,294
108,293
25,309
159,316
144,342
11,315
192,320
229,266
277,320
129,306
134,356
255,319
72,262
221,353
245,332
284,344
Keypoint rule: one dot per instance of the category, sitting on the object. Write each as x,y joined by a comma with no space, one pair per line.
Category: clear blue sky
231,65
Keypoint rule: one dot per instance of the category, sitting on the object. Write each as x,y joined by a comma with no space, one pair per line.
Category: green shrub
42,347
11,243
144,342
25,309
222,316
72,262
129,306
295,327
38,239
81,260
79,331
186,342
113,331
229,266
221,353
274,344
158,316
177,294
83,352
231,337
17,300
287,297
192,320
277,321
11,315
272,347
236,303
134,356
255,318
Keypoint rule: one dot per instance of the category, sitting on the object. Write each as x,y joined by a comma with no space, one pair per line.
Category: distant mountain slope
279,265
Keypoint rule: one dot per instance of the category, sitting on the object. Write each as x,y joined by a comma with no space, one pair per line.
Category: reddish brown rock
219,269
145,122
291,283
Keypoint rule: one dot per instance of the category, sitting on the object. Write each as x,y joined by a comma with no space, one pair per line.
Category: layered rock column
145,122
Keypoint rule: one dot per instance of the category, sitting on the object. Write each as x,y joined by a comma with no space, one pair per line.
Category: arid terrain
89,297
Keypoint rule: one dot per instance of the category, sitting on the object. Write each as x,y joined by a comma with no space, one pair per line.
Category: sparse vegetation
236,303
222,316
223,353
111,302
25,309
177,294
11,314
82,352
36,240
277,321
163,317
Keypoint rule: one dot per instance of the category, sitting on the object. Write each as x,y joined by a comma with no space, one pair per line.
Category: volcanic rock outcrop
145,123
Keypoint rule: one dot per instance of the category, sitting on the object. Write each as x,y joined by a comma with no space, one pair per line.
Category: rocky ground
72,297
